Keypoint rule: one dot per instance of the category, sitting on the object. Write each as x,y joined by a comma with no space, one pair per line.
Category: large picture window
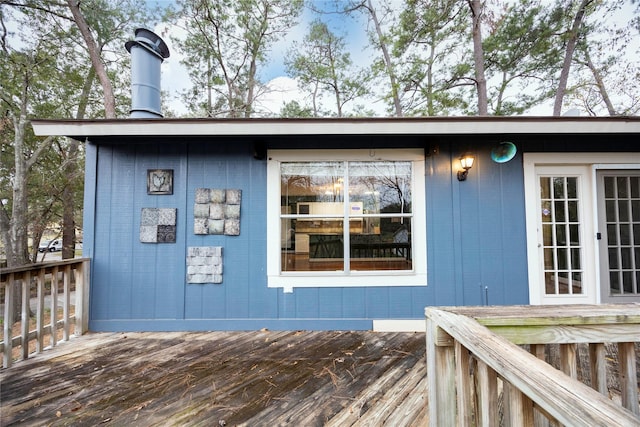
354,214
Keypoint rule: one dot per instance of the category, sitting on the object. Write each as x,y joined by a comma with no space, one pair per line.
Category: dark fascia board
103,129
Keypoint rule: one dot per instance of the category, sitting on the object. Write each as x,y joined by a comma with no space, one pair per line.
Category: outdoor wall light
466,162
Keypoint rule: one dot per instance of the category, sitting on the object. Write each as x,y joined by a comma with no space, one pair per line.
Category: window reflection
319,199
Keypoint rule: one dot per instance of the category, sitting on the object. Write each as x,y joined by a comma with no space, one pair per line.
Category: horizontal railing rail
478,374
42,290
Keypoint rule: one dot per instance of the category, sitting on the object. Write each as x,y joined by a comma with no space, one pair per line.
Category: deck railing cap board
540,315
48,266
566,399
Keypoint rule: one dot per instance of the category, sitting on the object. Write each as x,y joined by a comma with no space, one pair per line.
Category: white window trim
594,161
291,280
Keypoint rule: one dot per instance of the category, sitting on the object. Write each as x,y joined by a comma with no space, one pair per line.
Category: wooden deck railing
472,352
48,287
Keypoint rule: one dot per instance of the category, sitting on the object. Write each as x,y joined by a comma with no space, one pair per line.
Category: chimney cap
150,41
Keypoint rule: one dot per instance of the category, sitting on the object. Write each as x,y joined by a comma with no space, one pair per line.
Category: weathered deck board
241,378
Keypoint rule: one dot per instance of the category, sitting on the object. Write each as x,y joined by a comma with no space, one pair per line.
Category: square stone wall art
204,264
217,211
158,225
160,181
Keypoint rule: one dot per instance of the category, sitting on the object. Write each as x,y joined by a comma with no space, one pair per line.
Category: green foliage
323,68
225,44
433,43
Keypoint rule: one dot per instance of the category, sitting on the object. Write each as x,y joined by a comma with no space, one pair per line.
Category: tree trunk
96,60
600,83
568,56
387,61
478,56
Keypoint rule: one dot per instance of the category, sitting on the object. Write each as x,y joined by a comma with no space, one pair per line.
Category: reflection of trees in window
311,182
393,185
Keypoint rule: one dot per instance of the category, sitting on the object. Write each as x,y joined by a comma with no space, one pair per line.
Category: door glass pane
559,211
634,184
547,234
561,235
623,210
558,187
577,283
612,234
610,207
614,282
561,230
574,235
545,191
623,191
625,234
573,211
609,187
546,211
627,282
625,257
563,283
572,188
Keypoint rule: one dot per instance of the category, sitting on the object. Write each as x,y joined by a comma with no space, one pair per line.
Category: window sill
338,280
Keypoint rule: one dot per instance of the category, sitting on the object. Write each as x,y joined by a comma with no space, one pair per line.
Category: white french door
564,235
583,227
619,235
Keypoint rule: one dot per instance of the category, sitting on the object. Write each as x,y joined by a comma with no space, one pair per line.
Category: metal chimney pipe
148,51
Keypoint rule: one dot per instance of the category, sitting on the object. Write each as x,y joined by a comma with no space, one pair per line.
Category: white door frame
532,163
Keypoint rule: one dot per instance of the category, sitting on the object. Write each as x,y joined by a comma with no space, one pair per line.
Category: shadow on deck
222,378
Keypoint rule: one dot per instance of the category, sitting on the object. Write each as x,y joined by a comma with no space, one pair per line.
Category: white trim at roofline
364,126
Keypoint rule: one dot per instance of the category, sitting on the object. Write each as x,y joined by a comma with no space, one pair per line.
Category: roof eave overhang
85,129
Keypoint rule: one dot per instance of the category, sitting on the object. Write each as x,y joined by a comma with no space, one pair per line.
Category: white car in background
50,246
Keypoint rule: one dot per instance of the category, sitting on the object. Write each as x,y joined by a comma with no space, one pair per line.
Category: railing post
66,302
598,367
628,376
463,385
8,322
82,298
40,312
487,396
441,379
518,407
54,306
26,290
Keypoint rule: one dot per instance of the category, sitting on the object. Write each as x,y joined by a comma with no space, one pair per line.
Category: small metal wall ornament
160,181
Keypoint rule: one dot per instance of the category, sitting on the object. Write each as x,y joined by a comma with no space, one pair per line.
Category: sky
282,88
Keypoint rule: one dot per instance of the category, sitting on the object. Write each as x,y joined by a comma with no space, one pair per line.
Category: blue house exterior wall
476,244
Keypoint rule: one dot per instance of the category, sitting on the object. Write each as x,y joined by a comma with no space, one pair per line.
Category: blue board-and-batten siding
475,238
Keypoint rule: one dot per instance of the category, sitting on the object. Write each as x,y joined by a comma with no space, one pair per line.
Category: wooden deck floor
261,378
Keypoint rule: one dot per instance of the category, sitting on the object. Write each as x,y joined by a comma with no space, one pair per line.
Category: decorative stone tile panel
158,225
204,264
217,211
